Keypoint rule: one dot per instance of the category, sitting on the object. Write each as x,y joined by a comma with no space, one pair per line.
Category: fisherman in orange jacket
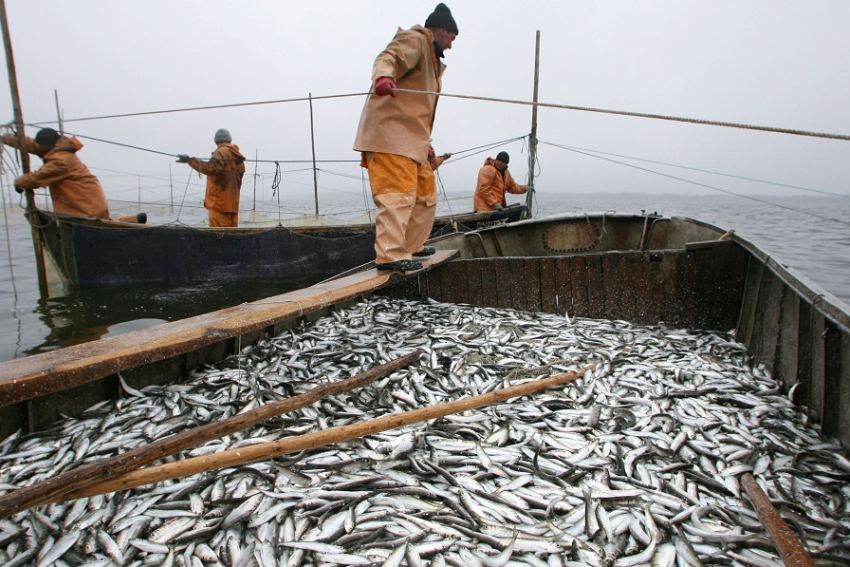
494,180
73,188
394,137
224,173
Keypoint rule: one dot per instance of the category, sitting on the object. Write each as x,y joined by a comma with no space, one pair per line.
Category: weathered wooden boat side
800,332
642,269
681,274
646,269
95,252
38,389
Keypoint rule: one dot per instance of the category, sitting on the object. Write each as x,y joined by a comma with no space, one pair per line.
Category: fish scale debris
635,462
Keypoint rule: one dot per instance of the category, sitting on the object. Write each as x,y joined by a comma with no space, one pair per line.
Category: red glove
432,157
385,86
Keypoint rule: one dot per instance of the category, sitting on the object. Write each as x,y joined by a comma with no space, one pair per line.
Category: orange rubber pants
220,219
405,193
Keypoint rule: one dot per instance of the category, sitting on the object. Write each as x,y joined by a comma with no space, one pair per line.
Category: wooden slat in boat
835,406
789,339
489,283
843,397
533,290
818,377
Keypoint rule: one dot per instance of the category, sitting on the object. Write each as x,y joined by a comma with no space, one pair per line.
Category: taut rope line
211,107
645,115
840,221
826,135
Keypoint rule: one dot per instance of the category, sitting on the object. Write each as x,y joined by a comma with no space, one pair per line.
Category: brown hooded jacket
492,186
224,173
402,125
73,188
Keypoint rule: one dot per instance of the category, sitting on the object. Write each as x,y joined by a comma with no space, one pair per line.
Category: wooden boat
645,269
93,252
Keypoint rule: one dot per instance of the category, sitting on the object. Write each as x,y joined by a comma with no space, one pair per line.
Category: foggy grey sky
771,63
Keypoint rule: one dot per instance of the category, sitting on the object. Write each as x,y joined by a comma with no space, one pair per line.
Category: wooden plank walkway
33,376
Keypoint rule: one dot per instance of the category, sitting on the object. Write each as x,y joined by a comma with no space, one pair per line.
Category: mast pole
171,188
256,161
313,144
532,140
25,156
58,111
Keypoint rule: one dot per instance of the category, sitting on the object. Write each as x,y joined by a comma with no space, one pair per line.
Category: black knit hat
47,137
503,156
441,17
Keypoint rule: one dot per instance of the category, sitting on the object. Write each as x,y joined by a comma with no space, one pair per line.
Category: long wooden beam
789,547
91,473
22,145
259,452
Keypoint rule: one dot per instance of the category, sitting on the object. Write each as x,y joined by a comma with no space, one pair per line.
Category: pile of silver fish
638,462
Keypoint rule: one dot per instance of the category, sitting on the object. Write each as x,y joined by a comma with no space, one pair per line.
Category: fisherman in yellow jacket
73,188
224,171
494,180
394,138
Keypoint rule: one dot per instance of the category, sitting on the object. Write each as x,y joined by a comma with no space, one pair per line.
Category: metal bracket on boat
571,237
492,223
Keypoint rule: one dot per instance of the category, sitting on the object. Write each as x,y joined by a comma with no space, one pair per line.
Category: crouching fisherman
73,188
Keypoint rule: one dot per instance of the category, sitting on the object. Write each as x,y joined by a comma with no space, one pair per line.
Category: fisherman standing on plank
494,180
224,172
394,137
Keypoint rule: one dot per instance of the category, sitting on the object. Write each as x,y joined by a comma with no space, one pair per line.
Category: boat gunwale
247,229
46,373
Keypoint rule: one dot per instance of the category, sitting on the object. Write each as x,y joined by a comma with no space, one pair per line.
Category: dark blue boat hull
96,253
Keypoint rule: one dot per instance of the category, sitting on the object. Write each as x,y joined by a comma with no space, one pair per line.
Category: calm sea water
810,234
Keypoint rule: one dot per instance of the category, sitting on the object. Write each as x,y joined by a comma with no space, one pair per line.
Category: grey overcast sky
776,63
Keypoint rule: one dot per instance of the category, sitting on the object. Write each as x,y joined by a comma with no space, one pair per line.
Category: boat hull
648,270
89,252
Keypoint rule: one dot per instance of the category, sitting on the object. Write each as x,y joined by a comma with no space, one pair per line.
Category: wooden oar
55,488
259,452
789,547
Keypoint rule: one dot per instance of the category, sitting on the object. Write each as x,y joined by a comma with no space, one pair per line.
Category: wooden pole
313,145
58,112
256,161
789,547
55,488
245,455
532,139
171,189
22,145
